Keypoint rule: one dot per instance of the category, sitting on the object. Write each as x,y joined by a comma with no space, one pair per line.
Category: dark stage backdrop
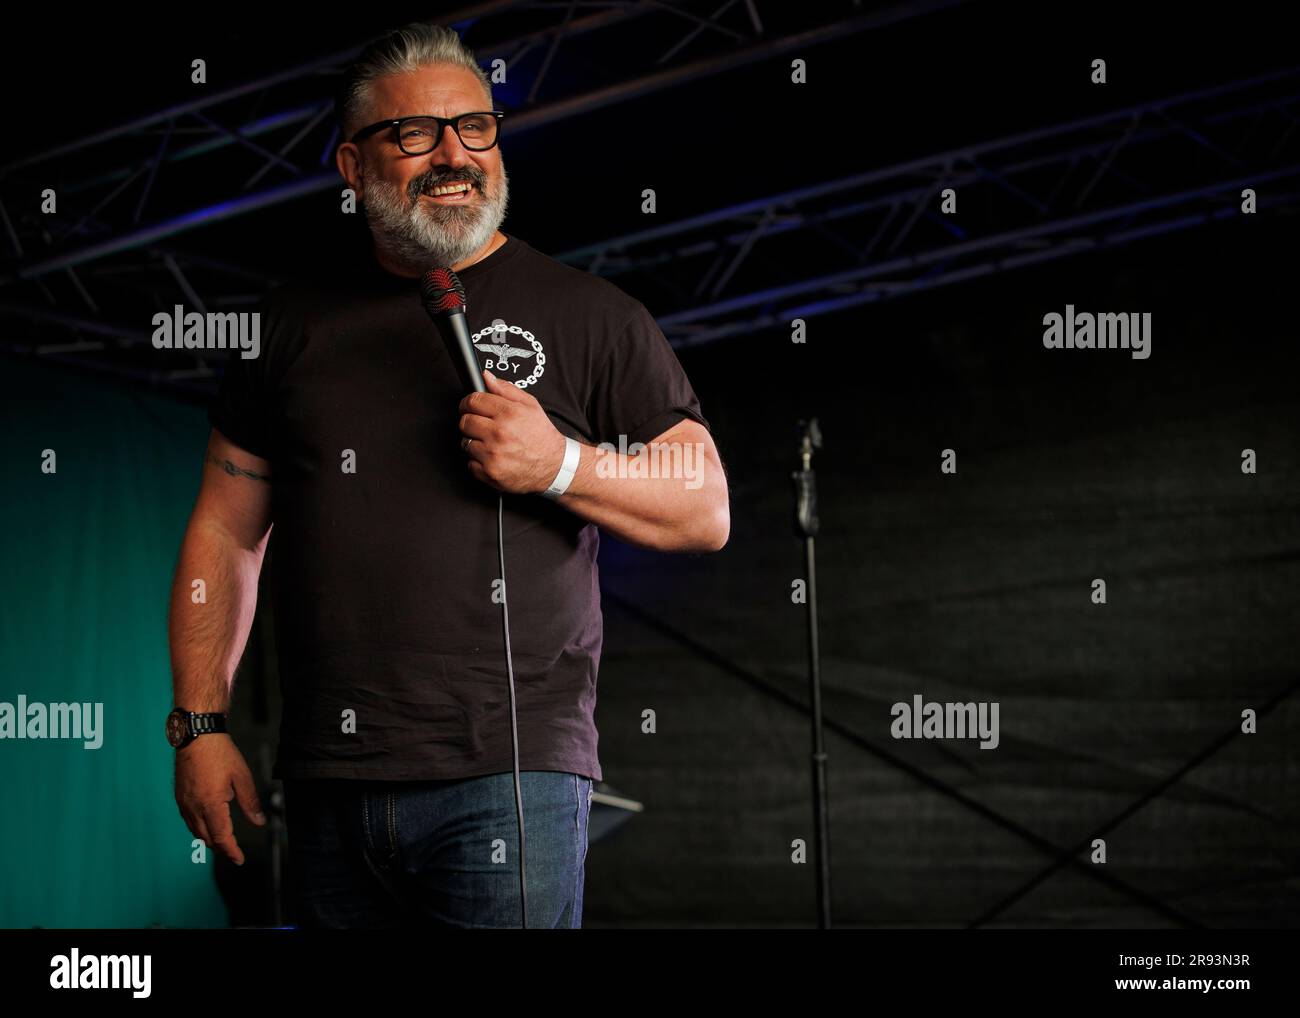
1072,465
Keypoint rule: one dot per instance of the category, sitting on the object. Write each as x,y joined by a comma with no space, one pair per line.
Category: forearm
208,625
677,510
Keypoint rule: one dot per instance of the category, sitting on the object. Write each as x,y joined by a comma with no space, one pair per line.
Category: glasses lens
418,135
478,131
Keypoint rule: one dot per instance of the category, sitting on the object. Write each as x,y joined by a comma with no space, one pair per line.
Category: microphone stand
805,490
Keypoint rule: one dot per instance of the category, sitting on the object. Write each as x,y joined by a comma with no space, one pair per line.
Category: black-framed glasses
478,132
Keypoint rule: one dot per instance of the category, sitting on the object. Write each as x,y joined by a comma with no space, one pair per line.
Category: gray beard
419,237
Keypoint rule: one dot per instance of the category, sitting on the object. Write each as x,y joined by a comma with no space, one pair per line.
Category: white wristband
572,452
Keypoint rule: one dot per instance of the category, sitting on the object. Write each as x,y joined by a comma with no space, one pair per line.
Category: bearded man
352,438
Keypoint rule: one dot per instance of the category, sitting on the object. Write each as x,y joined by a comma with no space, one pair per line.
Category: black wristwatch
184,726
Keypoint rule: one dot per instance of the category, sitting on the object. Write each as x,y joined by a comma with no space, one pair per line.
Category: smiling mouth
458,192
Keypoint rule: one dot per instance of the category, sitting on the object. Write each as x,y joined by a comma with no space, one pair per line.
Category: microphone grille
442,291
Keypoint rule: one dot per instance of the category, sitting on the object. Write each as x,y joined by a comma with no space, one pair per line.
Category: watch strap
207,723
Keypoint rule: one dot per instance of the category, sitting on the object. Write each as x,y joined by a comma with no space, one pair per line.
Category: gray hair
400,51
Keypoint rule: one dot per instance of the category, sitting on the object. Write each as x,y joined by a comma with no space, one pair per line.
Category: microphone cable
514,726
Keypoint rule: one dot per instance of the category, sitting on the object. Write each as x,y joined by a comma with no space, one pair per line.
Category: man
352,434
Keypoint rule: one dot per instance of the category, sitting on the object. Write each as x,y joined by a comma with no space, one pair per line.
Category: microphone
443,295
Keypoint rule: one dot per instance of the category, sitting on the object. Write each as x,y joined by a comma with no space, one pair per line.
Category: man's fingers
485,404
194,821
217,816
246,793
506,390
474,426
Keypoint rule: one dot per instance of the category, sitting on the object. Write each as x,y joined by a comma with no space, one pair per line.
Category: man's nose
449,150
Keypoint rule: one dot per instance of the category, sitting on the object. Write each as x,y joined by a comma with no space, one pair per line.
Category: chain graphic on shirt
509,358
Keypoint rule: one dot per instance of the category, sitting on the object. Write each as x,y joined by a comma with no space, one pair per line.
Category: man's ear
348,160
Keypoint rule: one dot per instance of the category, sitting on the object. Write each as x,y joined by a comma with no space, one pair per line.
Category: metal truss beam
1035,196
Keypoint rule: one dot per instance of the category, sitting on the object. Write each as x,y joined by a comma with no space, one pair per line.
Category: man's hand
512,444
210,771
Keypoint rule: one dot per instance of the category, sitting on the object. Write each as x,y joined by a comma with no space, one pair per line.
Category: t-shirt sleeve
242,407
641,389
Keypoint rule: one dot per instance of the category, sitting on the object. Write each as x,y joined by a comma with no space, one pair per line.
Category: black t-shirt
382,578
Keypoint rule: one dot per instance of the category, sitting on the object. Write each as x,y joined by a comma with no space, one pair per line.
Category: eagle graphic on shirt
500,346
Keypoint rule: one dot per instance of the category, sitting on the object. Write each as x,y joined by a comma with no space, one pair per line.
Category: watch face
177,729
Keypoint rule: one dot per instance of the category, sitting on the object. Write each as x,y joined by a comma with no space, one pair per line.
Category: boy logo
507,356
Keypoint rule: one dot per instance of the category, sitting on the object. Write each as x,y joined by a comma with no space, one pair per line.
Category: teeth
451,188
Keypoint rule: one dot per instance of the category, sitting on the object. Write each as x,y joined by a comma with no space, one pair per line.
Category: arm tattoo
235,471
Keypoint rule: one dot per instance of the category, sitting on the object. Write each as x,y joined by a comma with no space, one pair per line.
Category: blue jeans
383,854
